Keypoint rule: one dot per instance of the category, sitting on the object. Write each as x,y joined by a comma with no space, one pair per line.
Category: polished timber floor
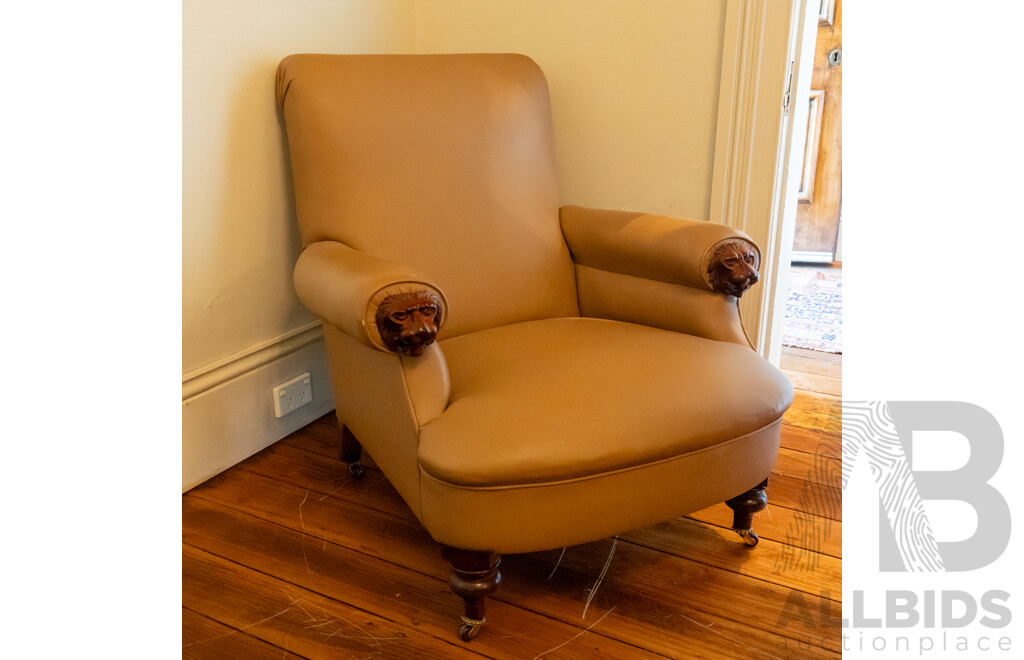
286,556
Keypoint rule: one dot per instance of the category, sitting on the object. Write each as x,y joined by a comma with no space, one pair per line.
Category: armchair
527,375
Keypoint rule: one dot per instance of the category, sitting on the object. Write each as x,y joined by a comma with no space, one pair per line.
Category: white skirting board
227,411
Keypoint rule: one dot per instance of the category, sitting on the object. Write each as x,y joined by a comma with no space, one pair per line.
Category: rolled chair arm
381,304
693,253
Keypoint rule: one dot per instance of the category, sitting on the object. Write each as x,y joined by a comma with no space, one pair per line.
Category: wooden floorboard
285,555
812,370
207,638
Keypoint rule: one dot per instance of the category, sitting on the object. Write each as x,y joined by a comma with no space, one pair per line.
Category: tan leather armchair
527,376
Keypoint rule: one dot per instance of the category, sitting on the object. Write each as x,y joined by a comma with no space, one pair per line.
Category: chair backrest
443,163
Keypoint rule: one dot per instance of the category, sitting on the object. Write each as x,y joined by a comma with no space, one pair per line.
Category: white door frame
767,53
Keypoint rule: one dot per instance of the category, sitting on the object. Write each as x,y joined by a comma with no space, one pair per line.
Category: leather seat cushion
562,399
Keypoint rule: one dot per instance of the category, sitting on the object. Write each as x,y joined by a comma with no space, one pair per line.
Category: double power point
292,395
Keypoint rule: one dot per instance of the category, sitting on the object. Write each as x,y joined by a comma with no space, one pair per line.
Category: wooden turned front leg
474,576
744,507
351,451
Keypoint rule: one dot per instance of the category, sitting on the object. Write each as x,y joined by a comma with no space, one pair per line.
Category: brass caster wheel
357,470
470,628
748,536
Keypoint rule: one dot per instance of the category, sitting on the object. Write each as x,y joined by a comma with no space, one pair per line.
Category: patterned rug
814,309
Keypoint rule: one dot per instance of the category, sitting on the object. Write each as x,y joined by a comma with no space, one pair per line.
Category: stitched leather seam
591,477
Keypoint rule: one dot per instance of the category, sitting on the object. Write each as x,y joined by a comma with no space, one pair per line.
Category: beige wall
634,89
239,241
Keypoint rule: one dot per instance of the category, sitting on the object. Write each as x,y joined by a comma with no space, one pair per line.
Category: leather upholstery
442,164
659,304
355,282
570,398
652,247
517,518
587,380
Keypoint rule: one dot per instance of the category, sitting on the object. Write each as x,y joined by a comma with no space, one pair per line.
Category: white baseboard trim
227,411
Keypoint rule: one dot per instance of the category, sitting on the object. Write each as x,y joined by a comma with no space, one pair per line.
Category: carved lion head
733,268
408,322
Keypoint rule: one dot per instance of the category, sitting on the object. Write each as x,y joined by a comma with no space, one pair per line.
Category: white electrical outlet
292,395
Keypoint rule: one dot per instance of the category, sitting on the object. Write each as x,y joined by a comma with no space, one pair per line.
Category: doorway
819,192
812,330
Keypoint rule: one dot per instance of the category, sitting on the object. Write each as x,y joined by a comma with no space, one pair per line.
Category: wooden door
820,198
